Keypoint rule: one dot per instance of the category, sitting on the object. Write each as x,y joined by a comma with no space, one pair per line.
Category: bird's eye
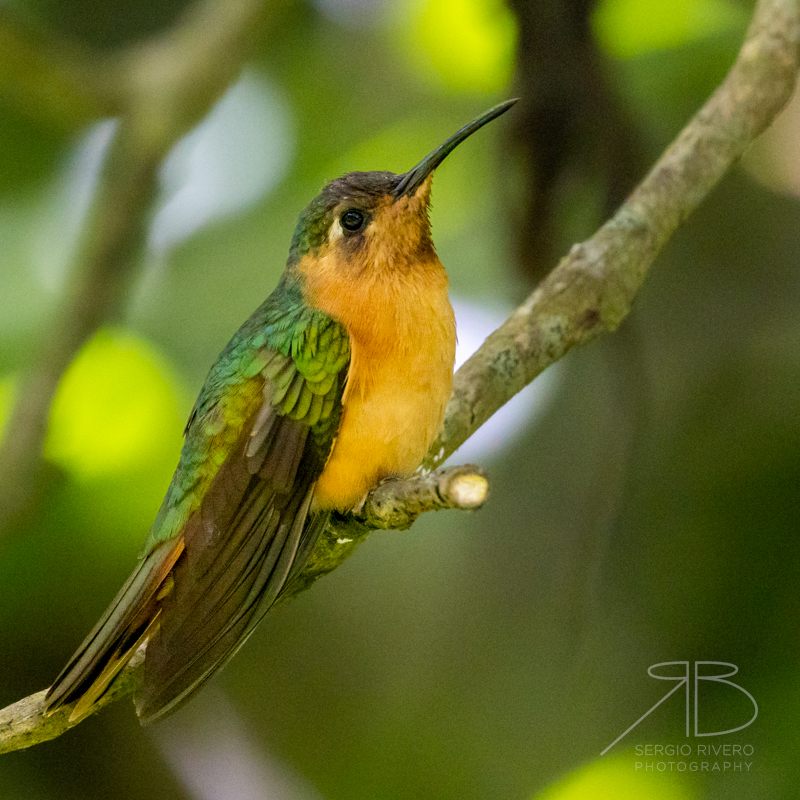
352,219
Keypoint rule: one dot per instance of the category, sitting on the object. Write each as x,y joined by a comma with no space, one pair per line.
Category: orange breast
402,338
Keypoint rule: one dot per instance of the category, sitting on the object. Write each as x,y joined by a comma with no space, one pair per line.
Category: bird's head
365,223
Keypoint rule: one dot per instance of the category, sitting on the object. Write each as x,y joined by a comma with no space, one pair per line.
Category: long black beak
411,181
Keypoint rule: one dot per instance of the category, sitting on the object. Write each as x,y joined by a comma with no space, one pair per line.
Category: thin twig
396,504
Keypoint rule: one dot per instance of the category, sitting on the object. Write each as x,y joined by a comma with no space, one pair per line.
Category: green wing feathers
236,524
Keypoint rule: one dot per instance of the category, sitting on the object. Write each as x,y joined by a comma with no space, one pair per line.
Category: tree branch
396,504
589,292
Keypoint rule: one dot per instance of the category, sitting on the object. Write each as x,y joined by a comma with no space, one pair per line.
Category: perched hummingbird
337,381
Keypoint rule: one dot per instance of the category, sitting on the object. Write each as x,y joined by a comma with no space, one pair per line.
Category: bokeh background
645,490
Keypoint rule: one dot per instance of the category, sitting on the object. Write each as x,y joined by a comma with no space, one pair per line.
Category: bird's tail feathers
127,622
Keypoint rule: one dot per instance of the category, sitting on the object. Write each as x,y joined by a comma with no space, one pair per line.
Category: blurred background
644,499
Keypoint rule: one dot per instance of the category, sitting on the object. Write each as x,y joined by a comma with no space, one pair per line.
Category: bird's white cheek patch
335,231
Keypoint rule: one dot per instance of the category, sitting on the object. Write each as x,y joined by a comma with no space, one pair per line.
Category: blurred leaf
468,44
117,407
616,778
627,28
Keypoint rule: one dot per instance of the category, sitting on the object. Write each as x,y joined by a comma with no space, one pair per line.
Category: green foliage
629,28
117,408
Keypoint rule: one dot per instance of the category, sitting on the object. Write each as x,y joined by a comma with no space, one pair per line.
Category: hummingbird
337,381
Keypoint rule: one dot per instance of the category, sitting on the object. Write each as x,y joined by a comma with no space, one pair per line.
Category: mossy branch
589,292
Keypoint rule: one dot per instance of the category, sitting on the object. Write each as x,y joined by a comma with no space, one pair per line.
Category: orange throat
402,339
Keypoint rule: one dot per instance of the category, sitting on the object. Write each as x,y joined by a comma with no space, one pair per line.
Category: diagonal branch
590,291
